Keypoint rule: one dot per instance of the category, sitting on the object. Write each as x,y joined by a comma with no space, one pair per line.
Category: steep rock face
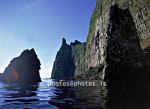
123,51
70,60
96,43
23,69
63,67
78,54
114,43
140,11
119,33
96,51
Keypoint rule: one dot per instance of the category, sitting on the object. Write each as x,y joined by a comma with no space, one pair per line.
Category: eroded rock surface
23,69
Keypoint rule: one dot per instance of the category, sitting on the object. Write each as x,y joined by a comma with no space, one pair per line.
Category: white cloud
29,6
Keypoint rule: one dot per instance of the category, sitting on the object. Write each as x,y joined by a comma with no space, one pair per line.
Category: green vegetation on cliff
91,59
95,15
134,6
78,52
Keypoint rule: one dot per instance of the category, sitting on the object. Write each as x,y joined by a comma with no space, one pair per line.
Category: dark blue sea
119,95
44,96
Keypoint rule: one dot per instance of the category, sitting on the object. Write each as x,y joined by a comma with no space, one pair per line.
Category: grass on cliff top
133,5
95,15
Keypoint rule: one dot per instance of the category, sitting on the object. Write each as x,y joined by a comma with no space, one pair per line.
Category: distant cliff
23,69
118,42
69,60
63,67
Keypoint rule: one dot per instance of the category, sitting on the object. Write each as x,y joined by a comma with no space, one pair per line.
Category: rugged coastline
117,44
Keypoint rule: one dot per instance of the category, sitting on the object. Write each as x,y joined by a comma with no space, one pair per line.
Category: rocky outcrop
63,67
23,69
123,50
113,44
78,54
118,35
69,61
140,11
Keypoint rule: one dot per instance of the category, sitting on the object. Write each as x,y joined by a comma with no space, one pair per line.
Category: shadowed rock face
23,69
69,61
63,67
113,47
124,52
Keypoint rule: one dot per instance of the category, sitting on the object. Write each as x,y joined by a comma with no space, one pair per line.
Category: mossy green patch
95,15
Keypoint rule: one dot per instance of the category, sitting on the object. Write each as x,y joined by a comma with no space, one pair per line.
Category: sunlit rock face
23,69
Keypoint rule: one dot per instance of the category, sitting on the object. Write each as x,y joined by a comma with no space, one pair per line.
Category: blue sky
41,24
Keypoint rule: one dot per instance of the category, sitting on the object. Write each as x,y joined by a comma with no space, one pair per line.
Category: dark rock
116,40
69,61
64,42
123,51
63,67
23,69
76,42
78,54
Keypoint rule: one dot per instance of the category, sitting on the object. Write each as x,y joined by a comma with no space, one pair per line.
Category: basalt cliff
117,46
23,69
69,60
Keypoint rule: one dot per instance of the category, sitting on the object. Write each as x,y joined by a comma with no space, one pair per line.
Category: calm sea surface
43,96
120,95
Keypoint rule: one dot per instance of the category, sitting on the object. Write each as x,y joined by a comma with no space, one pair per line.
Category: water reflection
128,95
90,97
77,98
21,93
42,96
64,99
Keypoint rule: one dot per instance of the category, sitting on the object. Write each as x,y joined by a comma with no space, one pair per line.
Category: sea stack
23,69
63,67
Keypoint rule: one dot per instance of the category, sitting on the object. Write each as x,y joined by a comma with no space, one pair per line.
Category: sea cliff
117,45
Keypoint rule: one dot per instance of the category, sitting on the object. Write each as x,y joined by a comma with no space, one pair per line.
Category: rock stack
23,69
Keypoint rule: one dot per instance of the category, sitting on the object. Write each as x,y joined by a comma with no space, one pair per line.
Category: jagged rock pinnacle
23,69
64,41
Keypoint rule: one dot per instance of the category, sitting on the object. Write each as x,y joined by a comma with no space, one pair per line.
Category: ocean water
44,96
119,95
128,95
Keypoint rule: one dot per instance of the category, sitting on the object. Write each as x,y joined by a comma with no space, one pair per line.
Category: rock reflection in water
128,95
64,97
42,96
90,97
77,98
18,94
